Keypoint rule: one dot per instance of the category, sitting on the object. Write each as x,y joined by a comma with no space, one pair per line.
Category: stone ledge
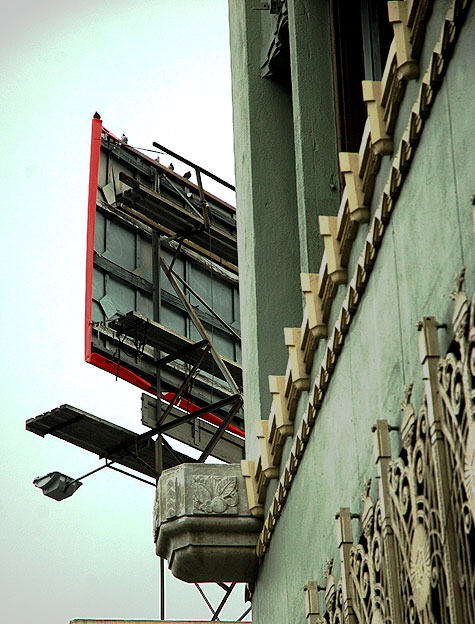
203,525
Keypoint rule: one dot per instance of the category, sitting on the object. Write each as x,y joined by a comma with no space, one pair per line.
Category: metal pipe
203,595
220,431
199,326
124,472
201,300
197,413
162,588
195,166
244,614
106,465
223,602
156,304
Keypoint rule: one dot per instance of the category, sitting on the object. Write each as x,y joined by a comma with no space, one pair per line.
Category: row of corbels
320,289
383,97
359,170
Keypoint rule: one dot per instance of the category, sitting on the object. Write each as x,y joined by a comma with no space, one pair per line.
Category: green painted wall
316,165
429,238
266,200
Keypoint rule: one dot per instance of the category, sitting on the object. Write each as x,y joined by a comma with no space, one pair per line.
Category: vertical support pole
157,303
430,355
382,452
345,543
203,202
312,608
162,588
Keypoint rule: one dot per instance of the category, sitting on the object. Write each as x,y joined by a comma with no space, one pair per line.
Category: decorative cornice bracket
296,377
408,68
381,142
328,230
248,472
269,468
280,423
313,326
349,166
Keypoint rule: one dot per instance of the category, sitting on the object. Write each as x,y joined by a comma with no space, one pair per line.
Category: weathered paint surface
429,238
264,162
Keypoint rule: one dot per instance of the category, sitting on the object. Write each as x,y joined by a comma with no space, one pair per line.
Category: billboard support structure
139,200
206,344
156,302
238,399
237,403
161,416
199,326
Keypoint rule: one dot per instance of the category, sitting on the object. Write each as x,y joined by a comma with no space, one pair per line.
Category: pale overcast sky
156,71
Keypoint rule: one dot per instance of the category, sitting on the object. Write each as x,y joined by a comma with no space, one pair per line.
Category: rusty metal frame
228,589
195,166
236,398
200,327
201,300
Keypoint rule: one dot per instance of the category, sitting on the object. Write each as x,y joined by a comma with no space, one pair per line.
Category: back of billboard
134,327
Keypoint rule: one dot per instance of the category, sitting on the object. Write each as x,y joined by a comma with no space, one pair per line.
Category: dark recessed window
361,36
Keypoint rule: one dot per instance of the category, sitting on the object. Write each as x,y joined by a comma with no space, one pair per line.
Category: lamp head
57,485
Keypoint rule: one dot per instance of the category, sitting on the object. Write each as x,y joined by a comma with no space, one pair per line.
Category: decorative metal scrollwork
333,598
456,374
367,564
417,528
415,560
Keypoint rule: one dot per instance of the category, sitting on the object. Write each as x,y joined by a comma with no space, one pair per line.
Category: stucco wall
264,163
430,236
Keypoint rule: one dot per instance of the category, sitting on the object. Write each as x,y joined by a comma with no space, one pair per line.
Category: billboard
146,314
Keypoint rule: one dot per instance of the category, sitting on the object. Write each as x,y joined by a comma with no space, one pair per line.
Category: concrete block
203,525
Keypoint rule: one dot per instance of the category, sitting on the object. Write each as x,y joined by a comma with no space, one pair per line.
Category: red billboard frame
96,359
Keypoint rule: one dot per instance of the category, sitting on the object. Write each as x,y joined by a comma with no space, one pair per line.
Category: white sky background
155,70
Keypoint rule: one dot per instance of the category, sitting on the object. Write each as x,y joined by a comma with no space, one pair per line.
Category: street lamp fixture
57,485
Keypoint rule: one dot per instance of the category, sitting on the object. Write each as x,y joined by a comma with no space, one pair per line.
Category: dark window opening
361,36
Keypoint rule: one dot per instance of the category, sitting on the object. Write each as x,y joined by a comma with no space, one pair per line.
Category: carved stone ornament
414,562
377,617
460,313
420,567
469,468
156,519
215,494
203,525
333,597
171,507
368,572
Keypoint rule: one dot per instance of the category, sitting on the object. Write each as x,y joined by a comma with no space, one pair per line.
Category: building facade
355,174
